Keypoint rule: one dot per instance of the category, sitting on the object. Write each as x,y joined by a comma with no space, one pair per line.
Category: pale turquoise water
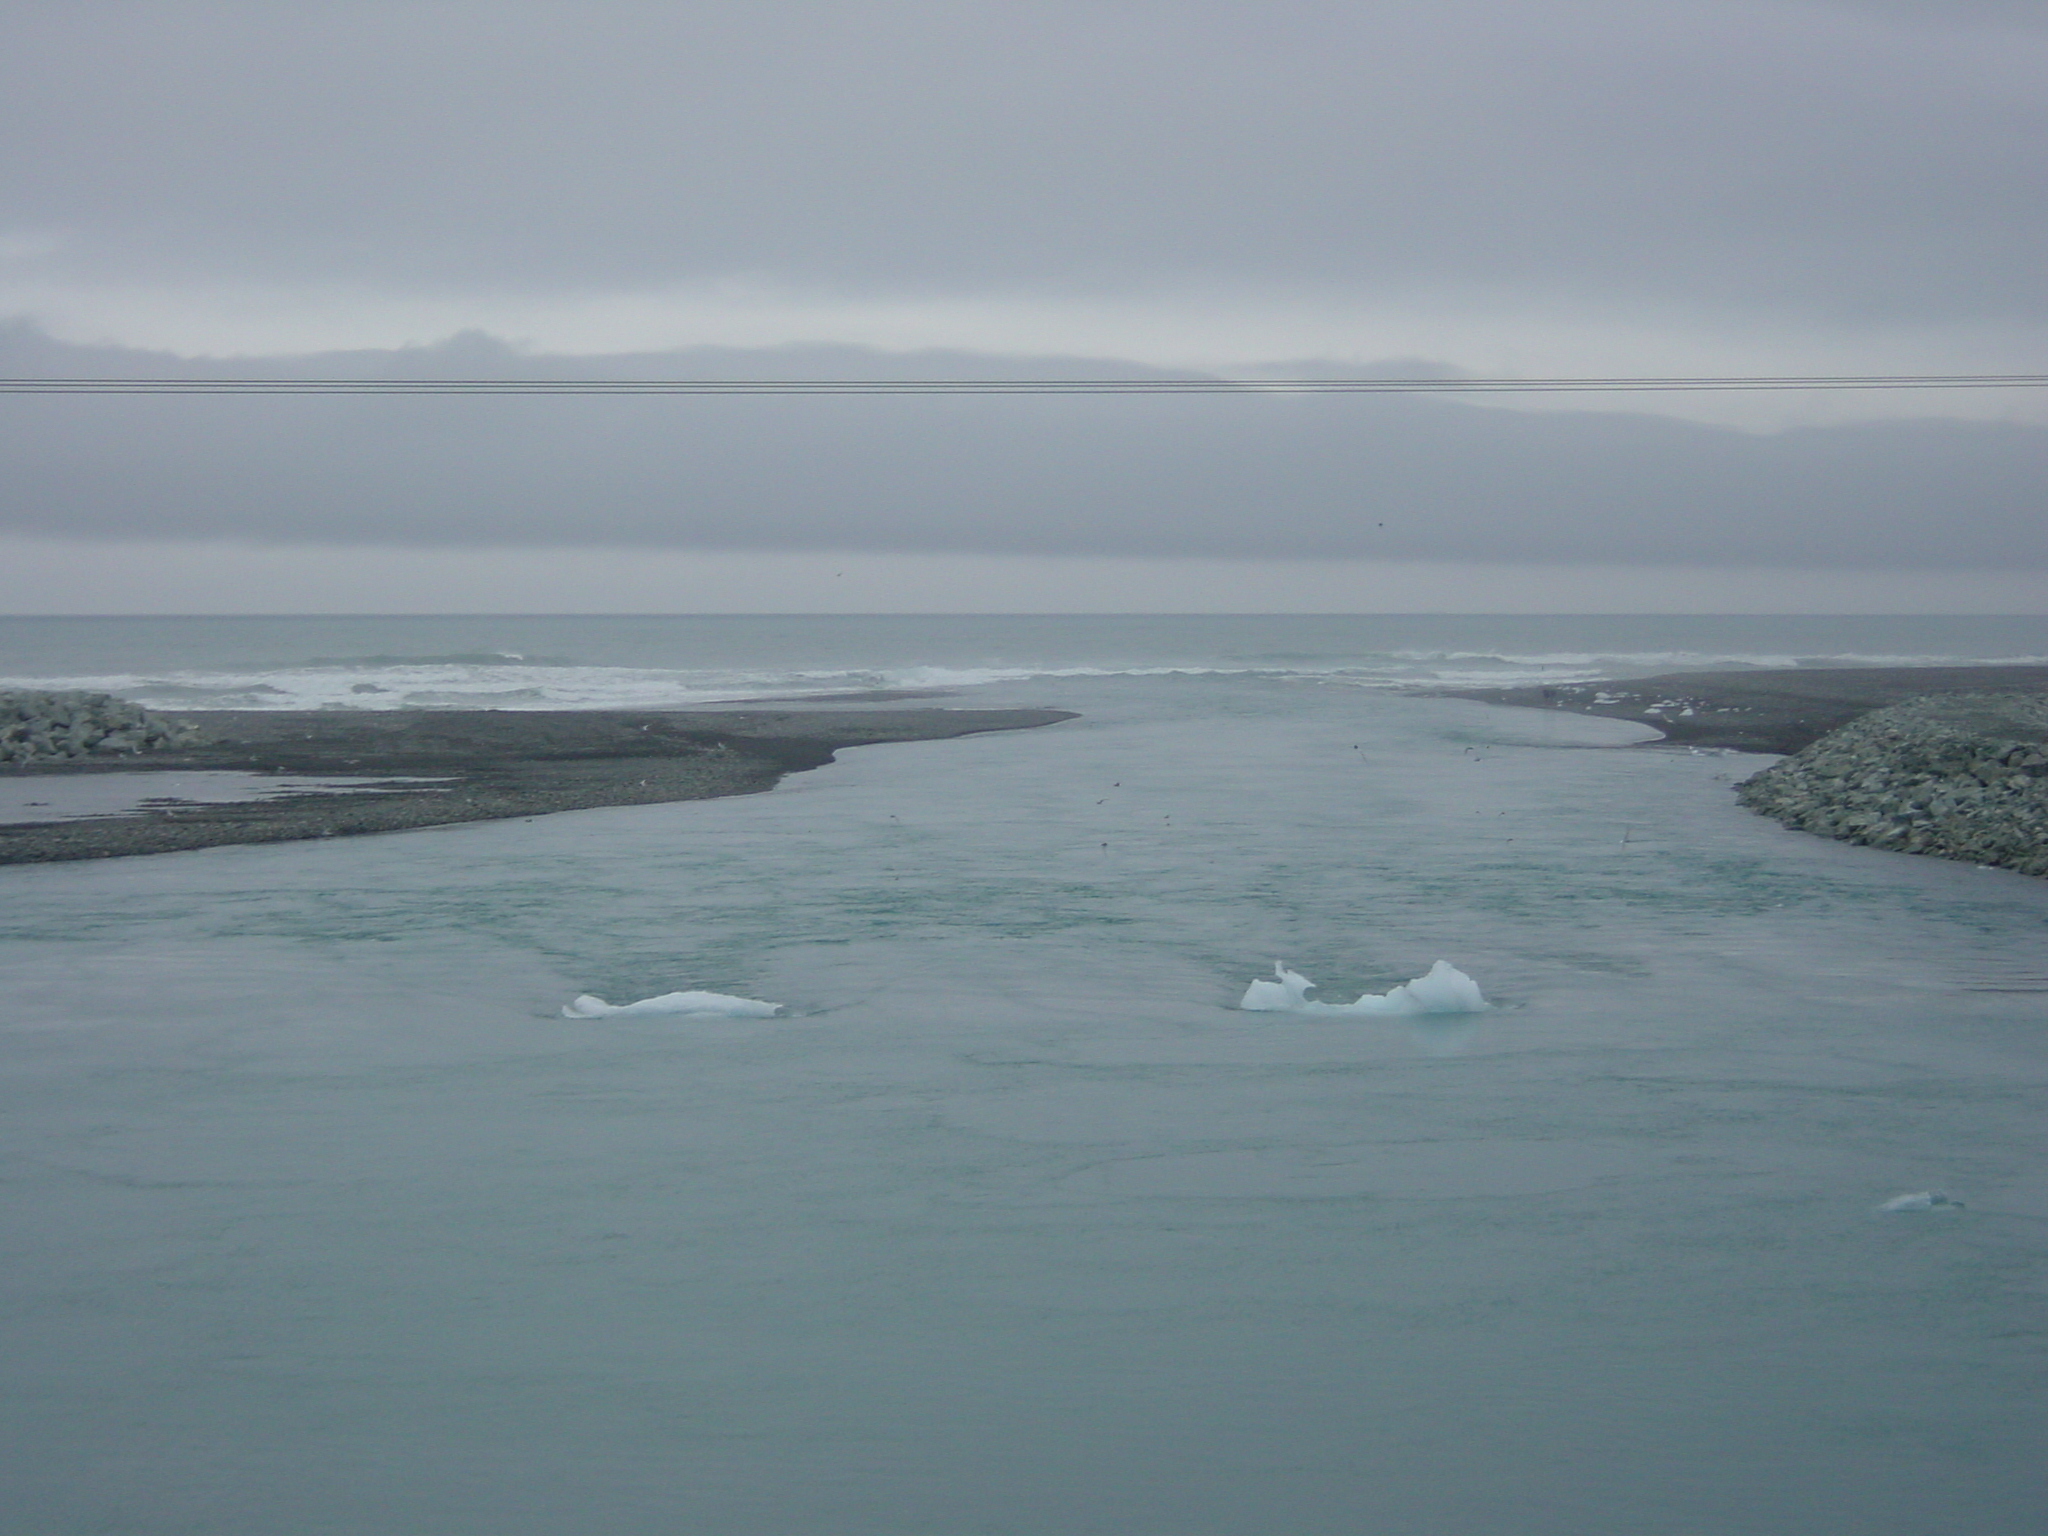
320,1219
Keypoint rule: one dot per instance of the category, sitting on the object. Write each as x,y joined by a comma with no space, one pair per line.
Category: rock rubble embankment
37,727
1960,776
1778,709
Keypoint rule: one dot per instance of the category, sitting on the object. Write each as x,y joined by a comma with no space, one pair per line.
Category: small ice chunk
1922,1200
1444,989
588,1007
1289,992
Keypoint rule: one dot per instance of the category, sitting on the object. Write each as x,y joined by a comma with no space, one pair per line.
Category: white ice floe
1922,1200
1446,989
588,1007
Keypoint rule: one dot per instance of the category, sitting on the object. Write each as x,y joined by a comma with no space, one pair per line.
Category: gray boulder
44,727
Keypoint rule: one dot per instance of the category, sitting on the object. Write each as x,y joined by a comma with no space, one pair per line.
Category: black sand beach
488,764
1764,710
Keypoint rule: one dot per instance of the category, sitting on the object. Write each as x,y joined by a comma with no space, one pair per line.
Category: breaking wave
656,663
481,681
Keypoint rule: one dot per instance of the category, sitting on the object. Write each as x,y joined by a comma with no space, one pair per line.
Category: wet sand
1763,710
489,764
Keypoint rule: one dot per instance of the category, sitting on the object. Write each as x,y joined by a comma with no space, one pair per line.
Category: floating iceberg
1446,989
1923,1200
588,1007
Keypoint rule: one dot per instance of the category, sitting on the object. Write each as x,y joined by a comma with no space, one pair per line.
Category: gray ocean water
321,1219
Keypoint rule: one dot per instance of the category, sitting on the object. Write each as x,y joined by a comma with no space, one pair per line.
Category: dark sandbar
1765,710
491,764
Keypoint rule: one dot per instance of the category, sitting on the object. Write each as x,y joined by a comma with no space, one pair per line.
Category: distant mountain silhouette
1254,475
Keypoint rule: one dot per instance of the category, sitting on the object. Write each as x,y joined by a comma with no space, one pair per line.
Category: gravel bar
488,764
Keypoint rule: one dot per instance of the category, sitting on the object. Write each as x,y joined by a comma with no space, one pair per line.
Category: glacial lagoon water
323,1219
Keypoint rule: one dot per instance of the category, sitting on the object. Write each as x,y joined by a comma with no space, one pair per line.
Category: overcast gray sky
1604,186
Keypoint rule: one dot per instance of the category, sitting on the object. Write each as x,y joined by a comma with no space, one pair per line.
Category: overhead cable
1026,386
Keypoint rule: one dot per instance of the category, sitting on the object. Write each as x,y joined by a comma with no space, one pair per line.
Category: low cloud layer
1254,475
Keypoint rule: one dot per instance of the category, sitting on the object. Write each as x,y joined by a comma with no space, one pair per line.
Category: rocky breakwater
1959,776
71,727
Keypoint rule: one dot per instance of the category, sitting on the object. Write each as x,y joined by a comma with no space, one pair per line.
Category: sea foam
588,1007
1444,989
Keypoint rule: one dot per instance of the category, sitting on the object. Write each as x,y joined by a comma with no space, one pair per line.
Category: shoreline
1766,710
487,765
501,764
1950,762
1959,776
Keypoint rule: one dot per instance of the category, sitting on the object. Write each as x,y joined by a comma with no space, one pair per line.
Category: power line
1201,386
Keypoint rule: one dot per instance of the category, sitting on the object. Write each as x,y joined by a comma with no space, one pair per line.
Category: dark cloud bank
1236,475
